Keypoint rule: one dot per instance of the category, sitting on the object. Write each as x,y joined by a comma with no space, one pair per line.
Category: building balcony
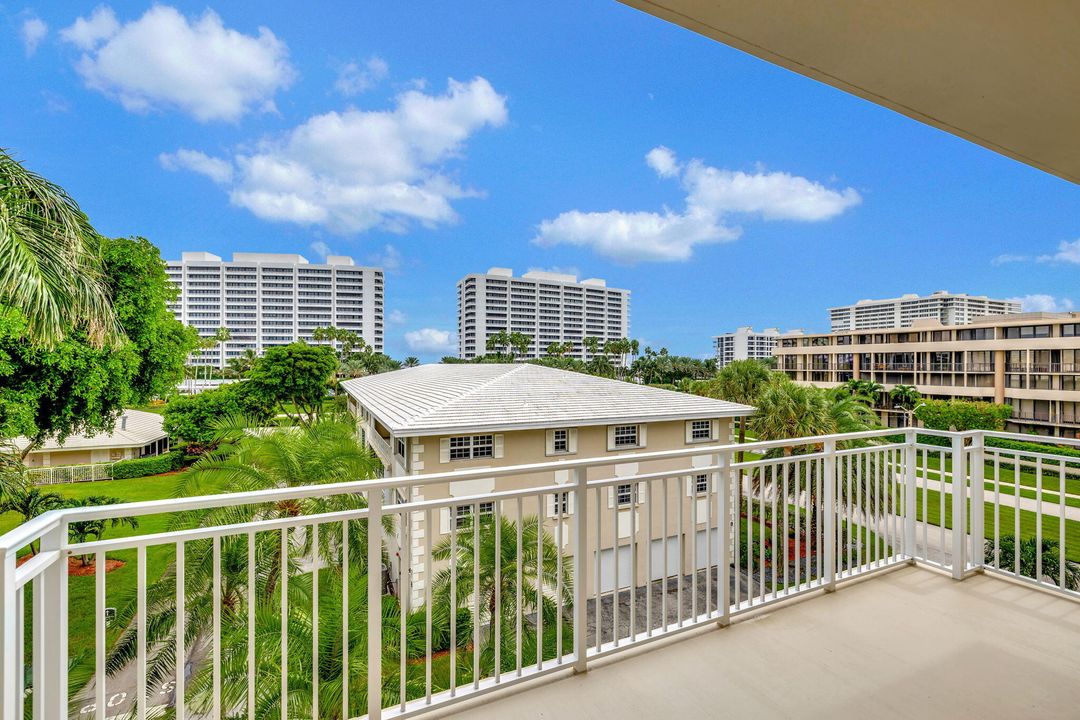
658,560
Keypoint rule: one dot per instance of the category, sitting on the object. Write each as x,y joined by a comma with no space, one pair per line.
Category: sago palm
50,264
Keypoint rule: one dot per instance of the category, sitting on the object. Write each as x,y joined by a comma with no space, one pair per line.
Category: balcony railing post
51,636
959,504
911,460
829,509
581,532
374,601
10,670
978,529
725,529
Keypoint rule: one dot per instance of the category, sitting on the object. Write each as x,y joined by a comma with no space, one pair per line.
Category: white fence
61,474
267,610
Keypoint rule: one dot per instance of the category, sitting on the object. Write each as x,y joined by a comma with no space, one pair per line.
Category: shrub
140,467
416,630
962,415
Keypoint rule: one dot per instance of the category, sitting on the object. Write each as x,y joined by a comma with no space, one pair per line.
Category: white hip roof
433,399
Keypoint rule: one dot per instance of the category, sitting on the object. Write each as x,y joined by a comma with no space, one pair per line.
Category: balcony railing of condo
625,559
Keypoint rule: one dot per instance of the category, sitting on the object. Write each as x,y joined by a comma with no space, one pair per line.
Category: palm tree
741,381
500,571
244,363
81,531
1029,551
905,397
411,362
50,265
29,502
326,451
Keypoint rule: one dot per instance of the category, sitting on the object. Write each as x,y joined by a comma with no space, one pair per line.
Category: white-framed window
562,503
625,436
468,447
560,440
624,494
700,430
463,513
399,447
701,484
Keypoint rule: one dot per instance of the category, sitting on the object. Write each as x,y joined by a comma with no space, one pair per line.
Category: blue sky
445,138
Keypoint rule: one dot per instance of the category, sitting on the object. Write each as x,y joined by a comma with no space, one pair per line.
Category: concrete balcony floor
909,643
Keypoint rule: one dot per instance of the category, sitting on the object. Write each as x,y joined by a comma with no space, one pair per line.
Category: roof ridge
482,386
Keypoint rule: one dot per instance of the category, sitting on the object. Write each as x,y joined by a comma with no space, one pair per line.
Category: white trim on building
745,344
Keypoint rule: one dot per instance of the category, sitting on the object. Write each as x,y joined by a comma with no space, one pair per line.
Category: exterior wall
267,299
948,308
529,446
548,307
1038,376
79,457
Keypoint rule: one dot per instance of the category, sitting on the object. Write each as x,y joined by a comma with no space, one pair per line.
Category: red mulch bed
76,568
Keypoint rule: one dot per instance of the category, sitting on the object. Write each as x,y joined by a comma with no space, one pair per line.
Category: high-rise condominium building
1030,361
267,299
548,307
944,306
745,344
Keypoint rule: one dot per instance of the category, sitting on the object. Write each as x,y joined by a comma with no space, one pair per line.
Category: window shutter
570,503
688,429
549,446
572,440
549,502
714,430
689,485
444,521
444,450
498,451
611,496
642,435
611,437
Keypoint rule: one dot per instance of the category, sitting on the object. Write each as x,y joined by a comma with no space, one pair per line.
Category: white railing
577,560
61,474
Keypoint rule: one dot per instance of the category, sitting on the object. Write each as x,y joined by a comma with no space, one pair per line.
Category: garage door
703,555
607,569
658,569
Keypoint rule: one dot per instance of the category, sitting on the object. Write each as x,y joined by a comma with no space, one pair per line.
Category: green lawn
120,582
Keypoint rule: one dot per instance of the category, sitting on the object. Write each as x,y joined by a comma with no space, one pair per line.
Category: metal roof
134,428
433,399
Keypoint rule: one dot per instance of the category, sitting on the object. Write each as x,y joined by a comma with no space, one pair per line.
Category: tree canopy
78,385
961,415
295,378
194,418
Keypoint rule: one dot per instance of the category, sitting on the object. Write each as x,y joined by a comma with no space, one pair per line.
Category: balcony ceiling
1005,75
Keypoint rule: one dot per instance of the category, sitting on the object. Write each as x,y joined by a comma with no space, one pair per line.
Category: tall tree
77,385
296,378
50,261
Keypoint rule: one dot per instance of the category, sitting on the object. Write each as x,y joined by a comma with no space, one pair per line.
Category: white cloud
1008,258
356,170
396,317
389,259
218,170
354,78
165,60
321,249
32,32
430,340
662,160
1044,303
86,33
1068,252
558,269
712,196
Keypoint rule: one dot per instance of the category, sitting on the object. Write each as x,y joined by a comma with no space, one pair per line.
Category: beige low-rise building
439,418
135,434
1030,361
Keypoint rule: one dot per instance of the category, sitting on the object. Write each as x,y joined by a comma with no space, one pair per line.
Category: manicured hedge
155,465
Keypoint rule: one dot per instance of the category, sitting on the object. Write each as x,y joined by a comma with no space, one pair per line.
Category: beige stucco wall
529,446
48,458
